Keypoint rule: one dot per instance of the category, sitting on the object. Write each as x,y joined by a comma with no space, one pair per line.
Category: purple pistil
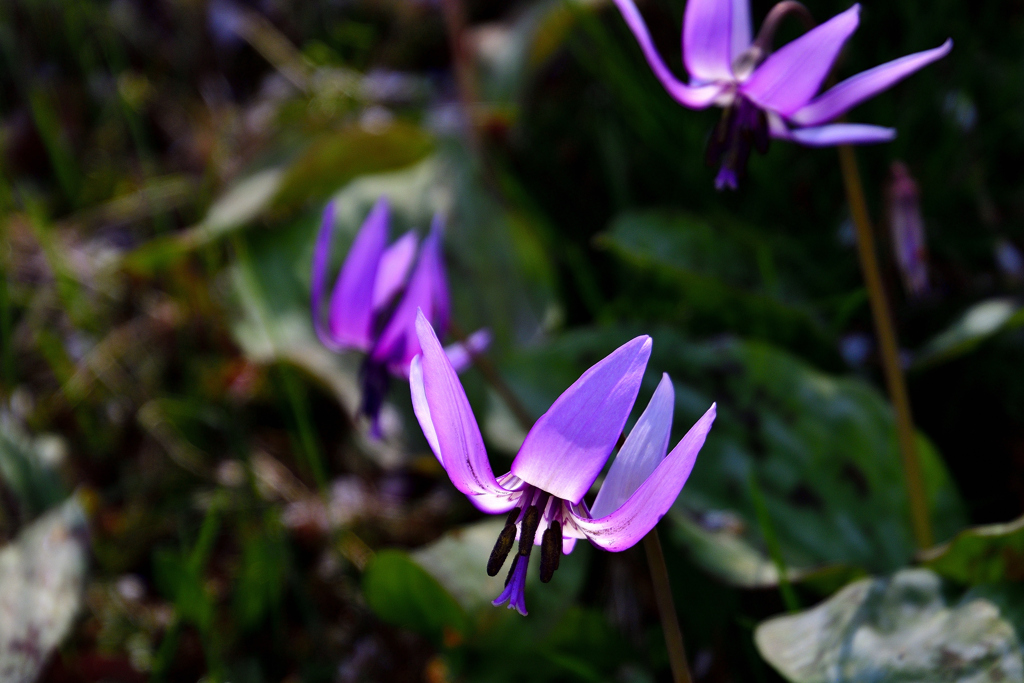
375,380
515,586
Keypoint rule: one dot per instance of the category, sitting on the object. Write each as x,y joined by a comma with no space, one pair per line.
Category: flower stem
666,608
886,333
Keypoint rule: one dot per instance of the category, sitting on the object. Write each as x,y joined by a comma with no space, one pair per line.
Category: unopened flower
769,94
907,230
375,299
560,458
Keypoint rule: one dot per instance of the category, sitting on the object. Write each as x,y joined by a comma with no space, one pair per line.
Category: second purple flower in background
375,300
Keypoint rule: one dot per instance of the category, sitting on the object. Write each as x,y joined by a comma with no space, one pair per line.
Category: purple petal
567,447
643,450
837,134
789,78
741,27
447,420
707,39
351,320
393,269
318,275
396,346
638,515
568,543
460,354
854,90
696,97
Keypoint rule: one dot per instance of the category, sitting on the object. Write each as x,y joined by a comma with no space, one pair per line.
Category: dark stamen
550,551
502,547
513,516
511,570
529,530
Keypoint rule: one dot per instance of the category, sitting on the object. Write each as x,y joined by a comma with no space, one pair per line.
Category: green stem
764,520
888,346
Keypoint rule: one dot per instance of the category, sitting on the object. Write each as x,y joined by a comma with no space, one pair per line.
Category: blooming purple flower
375,300
907,228
769,94
560,459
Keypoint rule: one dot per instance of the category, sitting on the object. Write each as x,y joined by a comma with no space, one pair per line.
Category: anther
503,545
550,551
529,530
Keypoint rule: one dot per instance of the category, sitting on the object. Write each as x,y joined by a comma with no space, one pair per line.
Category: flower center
536,506
743,127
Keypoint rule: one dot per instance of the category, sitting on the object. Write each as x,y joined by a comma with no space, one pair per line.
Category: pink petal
642,511
854,90
450,427
789,78
707,39
397,343
696,97
393,269
742,34
318,275
641,453
351,315
567,447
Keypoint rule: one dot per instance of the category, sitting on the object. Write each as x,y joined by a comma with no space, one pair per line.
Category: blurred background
186,493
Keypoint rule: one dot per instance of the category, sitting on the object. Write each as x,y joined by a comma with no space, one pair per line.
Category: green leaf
978,323
403,593
894,629
24,471
984,554
42,576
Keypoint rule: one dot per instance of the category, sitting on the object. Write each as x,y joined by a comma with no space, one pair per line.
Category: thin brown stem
889,348
652,545
666,608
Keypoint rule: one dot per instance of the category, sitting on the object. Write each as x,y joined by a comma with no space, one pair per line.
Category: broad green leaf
985,554
403,593
457,560
894,629
980,322
714,275
42,576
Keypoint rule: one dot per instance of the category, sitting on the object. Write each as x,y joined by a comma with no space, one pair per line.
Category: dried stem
652,545
886,333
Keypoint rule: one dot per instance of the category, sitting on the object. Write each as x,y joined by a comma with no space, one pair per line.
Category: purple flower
560,459
375,299
907,228
769,94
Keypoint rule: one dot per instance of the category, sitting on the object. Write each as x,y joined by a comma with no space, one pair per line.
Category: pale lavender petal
838,134
443,411
789,78
567,545
638,515
461,354
420,407
318,276
695,97
741,27
707,39
393,269
351,318
640,454
854,90
567,447
396,346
